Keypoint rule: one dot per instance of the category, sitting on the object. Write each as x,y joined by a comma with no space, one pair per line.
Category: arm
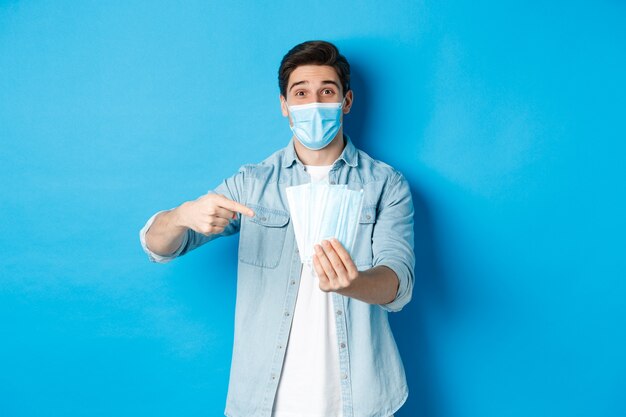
337,272
171,233
166,234
377,285
208,215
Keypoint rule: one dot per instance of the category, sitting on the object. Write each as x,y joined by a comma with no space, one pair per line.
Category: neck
324,156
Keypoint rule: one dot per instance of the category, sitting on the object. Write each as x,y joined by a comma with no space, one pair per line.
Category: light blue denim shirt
373,382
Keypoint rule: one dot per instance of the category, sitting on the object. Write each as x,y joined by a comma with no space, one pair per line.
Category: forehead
314,74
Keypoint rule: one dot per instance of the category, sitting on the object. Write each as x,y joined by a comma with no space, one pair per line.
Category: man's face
314,83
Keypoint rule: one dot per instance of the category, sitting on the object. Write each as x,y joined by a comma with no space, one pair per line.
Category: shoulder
373,169
266,169
381,182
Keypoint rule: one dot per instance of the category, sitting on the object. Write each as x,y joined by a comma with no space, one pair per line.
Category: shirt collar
348,155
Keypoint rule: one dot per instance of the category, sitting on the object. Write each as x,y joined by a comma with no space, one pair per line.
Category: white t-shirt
309,385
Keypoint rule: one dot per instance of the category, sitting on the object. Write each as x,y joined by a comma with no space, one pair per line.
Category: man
310,341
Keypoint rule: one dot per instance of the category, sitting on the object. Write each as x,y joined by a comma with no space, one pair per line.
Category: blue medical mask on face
315,124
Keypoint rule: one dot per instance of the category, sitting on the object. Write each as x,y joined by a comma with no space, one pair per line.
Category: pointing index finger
235,206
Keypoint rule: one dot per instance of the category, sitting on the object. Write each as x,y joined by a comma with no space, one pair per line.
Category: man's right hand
210,213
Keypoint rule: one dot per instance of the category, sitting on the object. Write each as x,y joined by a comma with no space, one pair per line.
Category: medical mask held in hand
322,211
315,124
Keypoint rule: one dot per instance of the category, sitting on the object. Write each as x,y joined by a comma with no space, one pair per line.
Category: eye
299,93
328,91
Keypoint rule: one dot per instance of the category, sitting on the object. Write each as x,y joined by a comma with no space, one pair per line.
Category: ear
283,105
348,103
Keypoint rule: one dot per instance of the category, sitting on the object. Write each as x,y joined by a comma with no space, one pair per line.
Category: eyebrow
323,82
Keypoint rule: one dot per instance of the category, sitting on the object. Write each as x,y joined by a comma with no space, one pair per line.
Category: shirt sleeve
231,188
393,239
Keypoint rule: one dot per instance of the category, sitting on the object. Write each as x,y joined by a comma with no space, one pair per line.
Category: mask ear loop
288,110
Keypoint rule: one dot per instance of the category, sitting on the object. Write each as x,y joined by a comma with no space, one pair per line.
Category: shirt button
280,347
343,345
368,217
273,376
344,375
339,312
293,282
286,314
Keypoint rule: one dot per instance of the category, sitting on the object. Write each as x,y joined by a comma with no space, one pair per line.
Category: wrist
349,291
178,217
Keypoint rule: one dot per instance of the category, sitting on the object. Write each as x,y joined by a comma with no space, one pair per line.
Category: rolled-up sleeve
393,238
231,188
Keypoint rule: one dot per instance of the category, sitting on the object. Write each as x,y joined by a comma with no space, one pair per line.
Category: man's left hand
334,266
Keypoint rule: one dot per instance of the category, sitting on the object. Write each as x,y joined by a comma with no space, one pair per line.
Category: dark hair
313,53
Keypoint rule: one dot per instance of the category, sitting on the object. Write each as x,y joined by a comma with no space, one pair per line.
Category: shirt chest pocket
362,251
262,237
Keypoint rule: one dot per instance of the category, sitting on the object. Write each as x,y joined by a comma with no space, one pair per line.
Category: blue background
506,117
